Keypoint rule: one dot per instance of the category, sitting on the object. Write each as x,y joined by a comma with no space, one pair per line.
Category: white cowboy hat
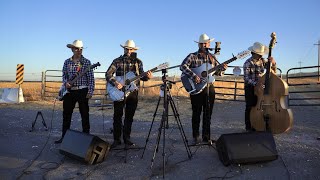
129,44
259,48
76,44
204,38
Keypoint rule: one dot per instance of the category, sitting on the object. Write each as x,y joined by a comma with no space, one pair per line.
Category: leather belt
78,87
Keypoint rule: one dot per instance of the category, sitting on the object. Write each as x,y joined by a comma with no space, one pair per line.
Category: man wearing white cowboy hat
199,101
253,68
120,67
80,91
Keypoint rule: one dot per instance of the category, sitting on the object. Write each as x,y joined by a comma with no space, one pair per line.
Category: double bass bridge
263,106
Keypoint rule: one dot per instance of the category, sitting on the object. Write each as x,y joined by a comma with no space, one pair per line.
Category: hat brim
260,53
205,42
134,48
72,46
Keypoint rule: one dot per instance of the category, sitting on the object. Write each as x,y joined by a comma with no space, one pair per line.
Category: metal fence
304,86
229,87
51,83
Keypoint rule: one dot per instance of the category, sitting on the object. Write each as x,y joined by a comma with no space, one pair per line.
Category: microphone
133,55
217,48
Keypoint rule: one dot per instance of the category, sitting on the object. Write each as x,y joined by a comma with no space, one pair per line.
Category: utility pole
300,66
318,59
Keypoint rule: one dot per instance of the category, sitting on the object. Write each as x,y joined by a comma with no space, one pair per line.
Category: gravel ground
33,155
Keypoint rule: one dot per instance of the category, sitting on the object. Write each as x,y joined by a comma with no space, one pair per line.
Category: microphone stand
124,109
208,115
124,105
207,110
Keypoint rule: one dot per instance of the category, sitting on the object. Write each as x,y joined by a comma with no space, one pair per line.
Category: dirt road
33,155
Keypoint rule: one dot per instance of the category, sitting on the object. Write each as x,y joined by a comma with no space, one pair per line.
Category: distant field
32,90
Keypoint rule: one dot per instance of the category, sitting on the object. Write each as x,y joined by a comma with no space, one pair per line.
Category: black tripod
167,99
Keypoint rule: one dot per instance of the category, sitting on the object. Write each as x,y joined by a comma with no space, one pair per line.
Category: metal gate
52,81
304,86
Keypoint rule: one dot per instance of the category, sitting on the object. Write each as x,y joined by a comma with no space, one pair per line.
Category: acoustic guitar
196,88
116,94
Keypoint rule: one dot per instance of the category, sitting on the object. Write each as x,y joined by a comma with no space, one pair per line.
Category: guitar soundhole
204,74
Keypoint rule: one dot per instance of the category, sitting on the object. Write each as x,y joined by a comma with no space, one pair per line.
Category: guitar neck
226,62
141,75
267,77
78,75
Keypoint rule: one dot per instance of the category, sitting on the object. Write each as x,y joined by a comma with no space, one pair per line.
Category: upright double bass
271,112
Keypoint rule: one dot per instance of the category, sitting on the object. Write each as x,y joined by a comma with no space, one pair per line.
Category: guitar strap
137,68
137,71
213,59
81,61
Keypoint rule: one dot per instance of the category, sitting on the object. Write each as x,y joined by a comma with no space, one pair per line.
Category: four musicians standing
202,103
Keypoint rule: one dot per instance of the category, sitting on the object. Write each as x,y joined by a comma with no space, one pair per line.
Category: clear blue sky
35,32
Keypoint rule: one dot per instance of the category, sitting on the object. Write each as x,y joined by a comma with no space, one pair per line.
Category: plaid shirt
253,69
70,69
116,67
195,60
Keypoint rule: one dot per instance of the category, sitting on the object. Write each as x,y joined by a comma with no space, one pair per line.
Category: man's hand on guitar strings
272,61
225,66
118,85
197,79
149,74
68,85
260,87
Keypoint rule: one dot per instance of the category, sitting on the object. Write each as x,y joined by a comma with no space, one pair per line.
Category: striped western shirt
196,59
70,70
253,69
135,65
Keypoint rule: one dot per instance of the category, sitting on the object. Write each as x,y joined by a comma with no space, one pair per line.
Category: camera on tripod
169,86
166,82
165,95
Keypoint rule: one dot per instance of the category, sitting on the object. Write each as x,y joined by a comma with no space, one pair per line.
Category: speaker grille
84,147
240,148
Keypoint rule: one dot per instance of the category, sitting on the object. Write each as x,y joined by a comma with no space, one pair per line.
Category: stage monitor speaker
249,147
85,147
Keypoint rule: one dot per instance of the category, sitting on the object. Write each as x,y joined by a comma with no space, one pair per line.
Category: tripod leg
183,135
156,148
126,150
34,122
43,121
165,117
154,115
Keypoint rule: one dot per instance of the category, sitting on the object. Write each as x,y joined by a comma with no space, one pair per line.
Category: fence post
235,89
43,86
142,87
